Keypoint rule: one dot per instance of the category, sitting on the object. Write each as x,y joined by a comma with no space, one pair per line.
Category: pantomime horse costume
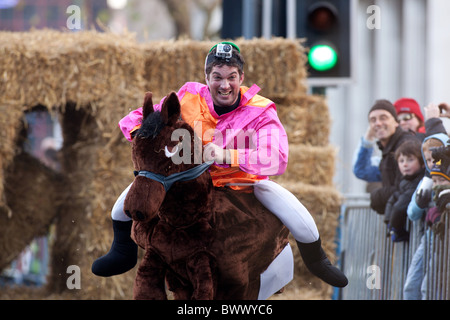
211,232
205,242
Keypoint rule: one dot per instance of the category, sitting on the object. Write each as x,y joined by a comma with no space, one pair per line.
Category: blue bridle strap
168,181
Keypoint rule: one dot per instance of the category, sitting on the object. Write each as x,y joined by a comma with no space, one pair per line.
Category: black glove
423,198
442,201
442,154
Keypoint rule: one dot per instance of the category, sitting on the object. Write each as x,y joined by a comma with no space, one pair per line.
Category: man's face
224,84
383,125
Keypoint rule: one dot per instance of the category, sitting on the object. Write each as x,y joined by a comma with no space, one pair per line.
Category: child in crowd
441,182
422,196
411,165
422,202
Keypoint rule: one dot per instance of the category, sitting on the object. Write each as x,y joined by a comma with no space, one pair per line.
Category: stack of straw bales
91,80
309,176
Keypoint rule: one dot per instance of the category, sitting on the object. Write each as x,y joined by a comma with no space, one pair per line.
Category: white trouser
117,212
275,198
288,209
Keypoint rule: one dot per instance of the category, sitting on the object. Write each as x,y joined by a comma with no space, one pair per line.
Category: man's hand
370,134
432,111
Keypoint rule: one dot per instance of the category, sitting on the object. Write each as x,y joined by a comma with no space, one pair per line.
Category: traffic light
326,27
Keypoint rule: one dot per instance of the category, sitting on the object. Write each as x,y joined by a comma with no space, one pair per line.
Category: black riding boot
123,253
318,264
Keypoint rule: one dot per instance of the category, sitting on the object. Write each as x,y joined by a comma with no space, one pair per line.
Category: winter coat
397,205
390,173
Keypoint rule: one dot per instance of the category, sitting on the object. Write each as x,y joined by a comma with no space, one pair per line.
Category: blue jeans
415,276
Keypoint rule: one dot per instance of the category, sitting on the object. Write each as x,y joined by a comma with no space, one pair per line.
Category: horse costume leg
300,223
123,253
150,277
201,270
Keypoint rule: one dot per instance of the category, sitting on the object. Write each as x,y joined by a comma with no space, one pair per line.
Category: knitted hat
384,105
436,170
408,105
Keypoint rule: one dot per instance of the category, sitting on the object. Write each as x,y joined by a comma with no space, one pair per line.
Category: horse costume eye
170,154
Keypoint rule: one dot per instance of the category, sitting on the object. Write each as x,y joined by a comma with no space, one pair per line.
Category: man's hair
237,60
410,148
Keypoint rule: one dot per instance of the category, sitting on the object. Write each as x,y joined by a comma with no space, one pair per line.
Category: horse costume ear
170,110
147,108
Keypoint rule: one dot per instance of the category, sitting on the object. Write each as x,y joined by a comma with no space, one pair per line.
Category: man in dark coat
383,121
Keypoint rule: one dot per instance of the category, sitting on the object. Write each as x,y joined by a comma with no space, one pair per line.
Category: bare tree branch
179,10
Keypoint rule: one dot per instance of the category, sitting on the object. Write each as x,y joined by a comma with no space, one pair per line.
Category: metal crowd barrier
377,267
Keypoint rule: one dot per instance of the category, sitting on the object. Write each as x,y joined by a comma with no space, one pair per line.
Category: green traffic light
322,57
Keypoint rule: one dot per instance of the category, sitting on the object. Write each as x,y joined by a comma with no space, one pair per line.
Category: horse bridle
168,181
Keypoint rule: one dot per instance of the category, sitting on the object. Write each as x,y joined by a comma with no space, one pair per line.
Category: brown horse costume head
205,242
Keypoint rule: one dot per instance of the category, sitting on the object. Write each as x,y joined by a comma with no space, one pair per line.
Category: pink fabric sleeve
130,121
269,156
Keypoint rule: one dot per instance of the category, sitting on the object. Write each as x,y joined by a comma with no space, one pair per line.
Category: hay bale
277,65
308,164
306,120
317,199
10,124
32,211
84,231
80,75
84,67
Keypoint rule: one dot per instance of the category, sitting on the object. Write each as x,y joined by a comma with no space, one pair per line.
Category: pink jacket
252,132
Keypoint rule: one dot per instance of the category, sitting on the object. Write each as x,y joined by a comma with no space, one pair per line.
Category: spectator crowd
405,158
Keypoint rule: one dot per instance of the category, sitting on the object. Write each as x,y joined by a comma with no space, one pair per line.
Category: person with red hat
410,118
409,115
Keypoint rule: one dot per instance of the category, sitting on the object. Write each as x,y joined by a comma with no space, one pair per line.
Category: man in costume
241,132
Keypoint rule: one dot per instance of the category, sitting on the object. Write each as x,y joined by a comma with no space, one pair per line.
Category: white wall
437,53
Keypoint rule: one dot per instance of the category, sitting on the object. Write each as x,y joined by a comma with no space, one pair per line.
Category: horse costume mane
205,242
151,126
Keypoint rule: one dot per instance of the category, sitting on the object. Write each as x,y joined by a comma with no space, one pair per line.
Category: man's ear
206,80
242,78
